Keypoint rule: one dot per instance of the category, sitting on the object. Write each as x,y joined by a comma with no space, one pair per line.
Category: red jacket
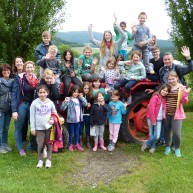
154,107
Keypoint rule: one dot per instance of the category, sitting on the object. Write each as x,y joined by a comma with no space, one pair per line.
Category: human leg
71,133
40,136
167,126
49,145
66,80
130,84
101,137
96,138
87,126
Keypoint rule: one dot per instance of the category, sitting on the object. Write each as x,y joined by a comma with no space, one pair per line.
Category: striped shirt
171,101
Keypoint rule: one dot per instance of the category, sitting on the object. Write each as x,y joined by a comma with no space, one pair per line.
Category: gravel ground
101,167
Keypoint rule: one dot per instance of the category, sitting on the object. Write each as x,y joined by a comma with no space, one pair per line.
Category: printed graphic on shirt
43,110
87,67
114,111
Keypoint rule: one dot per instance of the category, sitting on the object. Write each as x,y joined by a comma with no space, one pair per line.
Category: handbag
92,131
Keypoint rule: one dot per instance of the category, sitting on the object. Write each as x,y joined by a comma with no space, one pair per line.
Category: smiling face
86,89
136,58
168,60
156,54
6,73
100,97
114,98
46,39
96,84
164,92
87,53
173,80
68,56
19,64
30,68
75,94
107,36
42,94
48,78
142,19
110,65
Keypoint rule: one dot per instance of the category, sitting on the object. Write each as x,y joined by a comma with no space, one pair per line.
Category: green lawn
155,173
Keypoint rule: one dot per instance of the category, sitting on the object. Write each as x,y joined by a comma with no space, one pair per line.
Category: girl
87,93
50,82
110,74
74,115
155,114
88,64
70,71
21,98
40,123
6,82
108,47
136,72
175,112
116,109
96,88
98,119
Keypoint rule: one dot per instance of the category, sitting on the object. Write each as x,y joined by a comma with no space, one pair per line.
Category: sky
99,13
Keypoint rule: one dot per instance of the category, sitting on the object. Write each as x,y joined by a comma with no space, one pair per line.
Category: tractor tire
134,126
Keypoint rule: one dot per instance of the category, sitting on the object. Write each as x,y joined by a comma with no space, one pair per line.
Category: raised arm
91,38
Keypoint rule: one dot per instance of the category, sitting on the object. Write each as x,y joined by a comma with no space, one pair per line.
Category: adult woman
108,47
70,71
5,109
21,99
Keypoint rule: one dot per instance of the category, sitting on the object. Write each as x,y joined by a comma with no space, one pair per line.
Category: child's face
86,89
46,40
110,65
48,79
164,92
100,97
42,94
108,36
75,94
115,98
136,59
172,80
156,53
87,53
19,64
30,68
142,19
123,27
96,84
52,54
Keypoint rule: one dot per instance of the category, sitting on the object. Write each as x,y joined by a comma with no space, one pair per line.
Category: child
98,119
116,109
88,64
87,93
110,74
156,112
150,46
142,36
74,115
136,72
40,123
175,112
96,88
120,64
51,62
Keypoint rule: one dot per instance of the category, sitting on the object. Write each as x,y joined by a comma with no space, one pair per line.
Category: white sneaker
48,163
40,164
45,152
152,150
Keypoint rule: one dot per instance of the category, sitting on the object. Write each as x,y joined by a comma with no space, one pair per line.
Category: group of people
89,104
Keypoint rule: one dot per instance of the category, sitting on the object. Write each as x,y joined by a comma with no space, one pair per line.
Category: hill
82,37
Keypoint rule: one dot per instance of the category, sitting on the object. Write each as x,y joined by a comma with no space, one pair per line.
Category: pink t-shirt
77,108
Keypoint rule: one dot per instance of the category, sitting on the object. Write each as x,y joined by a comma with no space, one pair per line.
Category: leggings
99,132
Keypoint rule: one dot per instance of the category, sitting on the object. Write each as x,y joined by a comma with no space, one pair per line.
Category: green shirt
86,65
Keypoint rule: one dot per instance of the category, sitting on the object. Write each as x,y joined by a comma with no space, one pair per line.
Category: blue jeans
24,114
154,132
74,131
127,83
5,118
86,123
124,53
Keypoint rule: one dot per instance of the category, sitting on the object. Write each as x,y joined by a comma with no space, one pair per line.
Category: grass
154,173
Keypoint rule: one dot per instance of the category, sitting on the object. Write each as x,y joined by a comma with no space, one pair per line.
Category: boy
124,47
51,62
142,36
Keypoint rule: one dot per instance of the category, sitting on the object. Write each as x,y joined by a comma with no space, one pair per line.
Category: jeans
74,131
86,123
127,83
124,53
23,115
154,132
153,77
5,118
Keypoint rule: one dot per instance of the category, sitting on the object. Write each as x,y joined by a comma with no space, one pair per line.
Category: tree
181,13
22,23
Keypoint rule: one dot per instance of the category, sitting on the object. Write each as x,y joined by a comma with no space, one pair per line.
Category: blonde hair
29,62
103,44
46,33
173,74
47,71
53,48
87,48
112,59
142,13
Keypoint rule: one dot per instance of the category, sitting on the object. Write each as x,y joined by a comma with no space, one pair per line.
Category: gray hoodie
40,113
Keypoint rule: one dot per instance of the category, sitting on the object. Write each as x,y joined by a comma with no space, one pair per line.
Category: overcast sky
81,13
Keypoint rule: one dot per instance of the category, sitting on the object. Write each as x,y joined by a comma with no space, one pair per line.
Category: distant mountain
82,37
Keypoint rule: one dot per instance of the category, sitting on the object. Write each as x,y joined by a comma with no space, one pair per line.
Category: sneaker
112,147
109,144
3,151
71,148
144,146
22,152
45,152
48,163
78,147
167,151
152,150
40,164
7,147
177,153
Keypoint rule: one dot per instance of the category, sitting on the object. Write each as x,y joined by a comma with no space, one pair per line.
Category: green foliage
64,47
181,13
22,23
